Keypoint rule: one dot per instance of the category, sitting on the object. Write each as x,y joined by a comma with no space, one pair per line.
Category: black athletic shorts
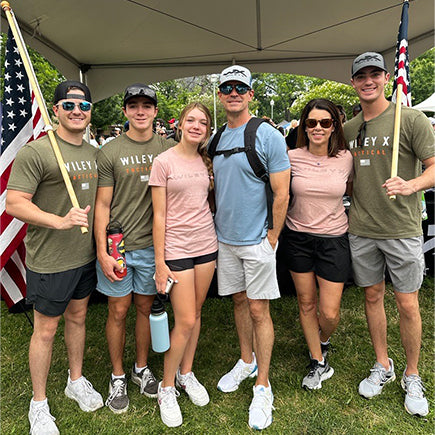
190,263
50,293
327,257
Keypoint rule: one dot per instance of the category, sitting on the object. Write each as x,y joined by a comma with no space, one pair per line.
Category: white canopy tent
113,43
427,105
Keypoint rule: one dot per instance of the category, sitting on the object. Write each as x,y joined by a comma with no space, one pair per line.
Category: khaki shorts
403,257
251,268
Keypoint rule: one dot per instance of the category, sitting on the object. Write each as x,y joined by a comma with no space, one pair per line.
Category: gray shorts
251,268
403,257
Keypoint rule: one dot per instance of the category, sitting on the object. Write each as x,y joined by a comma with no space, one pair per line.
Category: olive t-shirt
35,171
372,213
125,165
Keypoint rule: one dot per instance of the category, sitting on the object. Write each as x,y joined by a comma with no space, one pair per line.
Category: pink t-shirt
318,185
189,223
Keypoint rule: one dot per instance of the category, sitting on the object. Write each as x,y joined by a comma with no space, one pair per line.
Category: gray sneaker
146,381
317,374
41,420
415,402
379,376
118,400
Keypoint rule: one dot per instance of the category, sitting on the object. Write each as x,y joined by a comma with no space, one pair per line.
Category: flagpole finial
5,6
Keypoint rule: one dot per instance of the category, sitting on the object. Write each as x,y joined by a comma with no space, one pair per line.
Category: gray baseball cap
139,90
369,58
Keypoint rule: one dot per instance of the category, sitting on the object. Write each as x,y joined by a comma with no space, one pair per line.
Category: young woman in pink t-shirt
185,246
315,239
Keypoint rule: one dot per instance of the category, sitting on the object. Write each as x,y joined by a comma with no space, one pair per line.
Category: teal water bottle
159,326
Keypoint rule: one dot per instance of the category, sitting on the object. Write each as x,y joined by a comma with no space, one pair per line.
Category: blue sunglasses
69,106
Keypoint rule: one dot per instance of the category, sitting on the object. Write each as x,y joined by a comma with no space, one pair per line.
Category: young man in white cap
385,233
123,195
60,261
246,262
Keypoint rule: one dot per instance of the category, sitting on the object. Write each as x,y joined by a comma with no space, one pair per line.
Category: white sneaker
415,402
196,392
41,421
169,410
84,394
379,376
260,411
241,371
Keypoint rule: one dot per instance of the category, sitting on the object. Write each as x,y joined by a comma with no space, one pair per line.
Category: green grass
335,409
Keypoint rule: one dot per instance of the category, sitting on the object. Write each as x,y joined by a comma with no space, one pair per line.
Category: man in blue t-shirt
246,261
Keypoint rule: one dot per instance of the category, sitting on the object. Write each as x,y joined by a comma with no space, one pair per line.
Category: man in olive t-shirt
386,233
60,260
124,167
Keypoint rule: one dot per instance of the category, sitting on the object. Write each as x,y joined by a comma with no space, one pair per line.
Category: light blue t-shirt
241,205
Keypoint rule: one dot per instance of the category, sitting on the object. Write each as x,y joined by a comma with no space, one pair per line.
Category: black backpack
251,154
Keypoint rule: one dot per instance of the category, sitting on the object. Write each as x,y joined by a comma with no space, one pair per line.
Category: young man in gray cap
246,262
124,166
60,260
385,233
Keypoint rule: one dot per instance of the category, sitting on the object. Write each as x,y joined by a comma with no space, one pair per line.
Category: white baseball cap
237,73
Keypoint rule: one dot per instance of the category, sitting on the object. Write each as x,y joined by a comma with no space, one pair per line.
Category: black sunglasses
69,106
240,88
361,134
324,123
133,91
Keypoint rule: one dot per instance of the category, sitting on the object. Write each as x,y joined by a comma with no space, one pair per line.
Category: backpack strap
252,156
211,151
256,165
251,153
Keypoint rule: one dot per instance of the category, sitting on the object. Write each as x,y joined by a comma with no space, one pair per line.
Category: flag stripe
21,123
13,282
401,64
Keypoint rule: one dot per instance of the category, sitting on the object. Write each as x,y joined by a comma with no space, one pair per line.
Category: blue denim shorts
139,278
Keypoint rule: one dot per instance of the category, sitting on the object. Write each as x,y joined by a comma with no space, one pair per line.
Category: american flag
401,63
21,123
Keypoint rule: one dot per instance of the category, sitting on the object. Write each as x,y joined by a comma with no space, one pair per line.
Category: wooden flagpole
41,103
396,134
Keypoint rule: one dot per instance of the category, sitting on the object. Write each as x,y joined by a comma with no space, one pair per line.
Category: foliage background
289,92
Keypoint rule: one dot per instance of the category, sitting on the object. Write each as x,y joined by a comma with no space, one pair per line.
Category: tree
422,76
47,75
283,89
108,112
338,93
